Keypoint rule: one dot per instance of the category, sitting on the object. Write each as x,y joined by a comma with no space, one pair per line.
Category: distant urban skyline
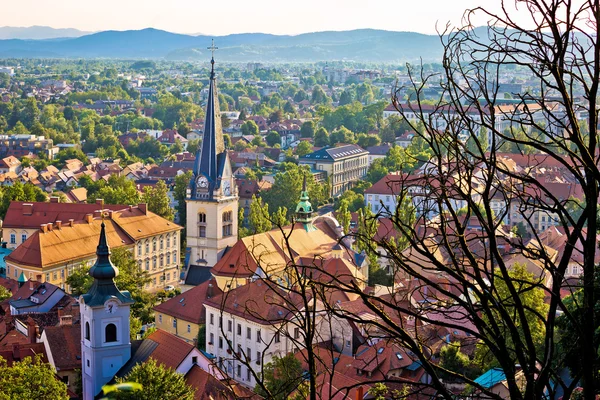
267,16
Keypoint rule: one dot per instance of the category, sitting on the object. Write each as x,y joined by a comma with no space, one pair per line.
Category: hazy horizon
262,16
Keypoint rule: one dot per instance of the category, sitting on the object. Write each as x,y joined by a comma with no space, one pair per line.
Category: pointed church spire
104,272
212,139
103,268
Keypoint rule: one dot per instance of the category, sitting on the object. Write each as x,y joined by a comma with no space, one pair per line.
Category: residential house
184,314
10,164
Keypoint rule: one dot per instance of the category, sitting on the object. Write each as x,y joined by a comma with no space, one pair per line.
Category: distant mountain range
364,45
38,32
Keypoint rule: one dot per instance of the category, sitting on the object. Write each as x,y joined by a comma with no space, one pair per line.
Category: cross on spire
212,49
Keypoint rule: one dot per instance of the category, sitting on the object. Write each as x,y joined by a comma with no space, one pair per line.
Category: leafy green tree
343,216
570,344
118,190
4,293
531,296
342,135
303,148
158,382
283,379
182,182
452,359
226,141
19,192
131,277
376,171
30,379
249,128
273,138
258,141
354,201
308,129
258,217
287,186
321,137
279,217
345,98
158,201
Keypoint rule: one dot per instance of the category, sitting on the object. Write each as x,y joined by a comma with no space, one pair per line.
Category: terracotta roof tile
65,345
171,351
189,305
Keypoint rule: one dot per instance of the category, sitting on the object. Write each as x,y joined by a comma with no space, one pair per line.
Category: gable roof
65,345
335,153
189,305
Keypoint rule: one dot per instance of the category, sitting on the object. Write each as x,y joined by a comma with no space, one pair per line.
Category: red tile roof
189,306
171,351
65,345
18,216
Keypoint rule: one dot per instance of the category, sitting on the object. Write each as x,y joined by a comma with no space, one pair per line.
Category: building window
23,238
248,375
154,244
162,261
239,370
110,333
160,318
139,248
194,360
248,333
47,275
212,319
162,242
168,258
168,241
220,322
147,265
258,358
239,330
220,342
202,231
229,326
153,263
227,223
174,257
277,337
147,246
13,238
62,273
174,322
87,330
55,275
201,218
258,338
212,339
189,328
248,354
296,333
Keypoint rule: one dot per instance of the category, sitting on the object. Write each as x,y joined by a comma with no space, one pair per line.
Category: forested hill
358,45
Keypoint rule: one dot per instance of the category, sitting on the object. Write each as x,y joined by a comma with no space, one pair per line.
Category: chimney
27,209
209,291
58,224
110,214
143,207
38,278
98,214
31,330
130,208
66,320
100,202
43,228
54,199
89,218
359,393
71,222
49,226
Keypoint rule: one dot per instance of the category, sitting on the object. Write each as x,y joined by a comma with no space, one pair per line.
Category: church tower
105,344
212,198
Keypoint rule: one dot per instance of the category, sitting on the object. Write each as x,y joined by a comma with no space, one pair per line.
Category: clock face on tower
226,188
202,182
111,306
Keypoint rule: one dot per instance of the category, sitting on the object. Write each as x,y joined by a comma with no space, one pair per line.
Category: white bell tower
105,344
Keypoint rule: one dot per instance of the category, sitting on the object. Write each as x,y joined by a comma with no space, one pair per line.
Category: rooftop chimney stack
27,209
54,199
71,222
143,207
43,228
58,224
89,218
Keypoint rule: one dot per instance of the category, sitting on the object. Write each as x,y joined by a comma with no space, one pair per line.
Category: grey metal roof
335,153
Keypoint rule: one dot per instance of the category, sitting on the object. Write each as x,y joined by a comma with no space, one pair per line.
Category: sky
238,16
